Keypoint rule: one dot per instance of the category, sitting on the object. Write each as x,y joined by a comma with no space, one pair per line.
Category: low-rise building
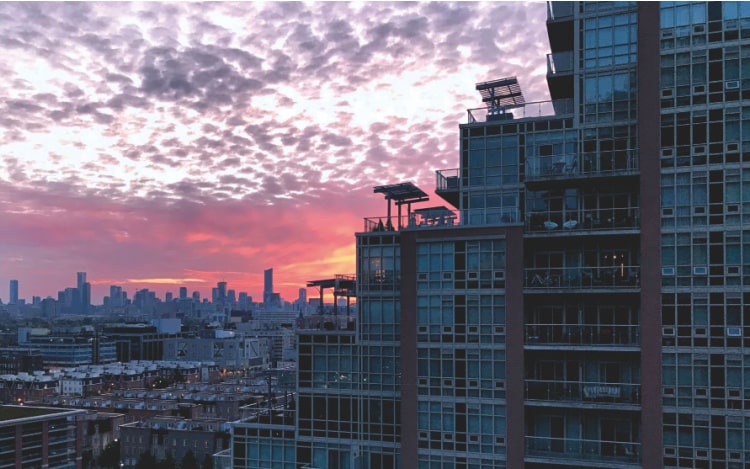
163,437
98,430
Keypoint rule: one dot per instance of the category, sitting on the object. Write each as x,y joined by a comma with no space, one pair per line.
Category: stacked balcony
604,164
580,452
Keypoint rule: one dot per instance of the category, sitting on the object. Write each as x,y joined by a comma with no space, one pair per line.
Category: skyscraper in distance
80,280
13,294
267,285
83,288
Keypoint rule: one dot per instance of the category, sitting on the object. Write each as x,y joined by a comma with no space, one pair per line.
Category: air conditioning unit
734,332
732,85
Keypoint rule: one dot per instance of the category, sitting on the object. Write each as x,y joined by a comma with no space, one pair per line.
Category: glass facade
705,197
461,352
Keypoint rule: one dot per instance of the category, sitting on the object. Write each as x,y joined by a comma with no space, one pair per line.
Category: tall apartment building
595,276
580,302
39,437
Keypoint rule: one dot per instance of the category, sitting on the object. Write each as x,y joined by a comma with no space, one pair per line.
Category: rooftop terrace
12,412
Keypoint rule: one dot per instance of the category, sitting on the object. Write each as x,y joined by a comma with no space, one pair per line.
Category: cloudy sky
165,144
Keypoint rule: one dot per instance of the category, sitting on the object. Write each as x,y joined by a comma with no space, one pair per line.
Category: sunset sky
167,144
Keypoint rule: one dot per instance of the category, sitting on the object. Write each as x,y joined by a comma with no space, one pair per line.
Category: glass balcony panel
582,391
580,449
587,220
603,163
582,334
616,276
557,108
560,63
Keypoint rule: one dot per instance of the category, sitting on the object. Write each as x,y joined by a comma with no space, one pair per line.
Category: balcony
583,452
382,224
443,217
585,335
327,322
550,222
570,278
588,165
583,392
528,110
447,185
559,63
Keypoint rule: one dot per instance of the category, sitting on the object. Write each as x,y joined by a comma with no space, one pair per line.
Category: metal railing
560,107
582,334
616,276
582,391
579,448
603,163
588,220
446,179
393,223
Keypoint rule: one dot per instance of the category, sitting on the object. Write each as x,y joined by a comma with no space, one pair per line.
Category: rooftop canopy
402,193
502,93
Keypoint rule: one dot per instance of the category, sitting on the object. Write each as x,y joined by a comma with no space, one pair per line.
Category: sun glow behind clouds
141,140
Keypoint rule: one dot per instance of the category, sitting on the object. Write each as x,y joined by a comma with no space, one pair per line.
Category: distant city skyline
161,145
166,293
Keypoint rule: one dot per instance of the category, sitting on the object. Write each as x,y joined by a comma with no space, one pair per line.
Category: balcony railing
617,276
560,63
560,107
583,391
578,448
586,220
558,9
603,163
581,334
446,179
444,218
393,223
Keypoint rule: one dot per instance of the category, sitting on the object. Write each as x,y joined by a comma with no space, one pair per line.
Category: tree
167,463
189,461
208,462
146,461
110,457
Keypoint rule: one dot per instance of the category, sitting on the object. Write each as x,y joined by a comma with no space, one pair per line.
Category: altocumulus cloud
124,127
